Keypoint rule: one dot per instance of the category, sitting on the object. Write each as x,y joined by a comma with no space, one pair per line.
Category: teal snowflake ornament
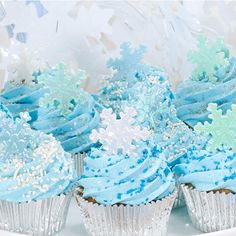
62,88
208,58
222,128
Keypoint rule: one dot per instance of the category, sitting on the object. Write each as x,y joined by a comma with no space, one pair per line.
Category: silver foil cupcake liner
210,211
39,218
180,200
79,163
121,220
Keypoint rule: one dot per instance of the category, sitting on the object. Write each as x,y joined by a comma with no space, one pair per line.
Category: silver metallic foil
210,211
121,220
39,218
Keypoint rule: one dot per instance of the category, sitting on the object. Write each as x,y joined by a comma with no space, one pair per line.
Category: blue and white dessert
127,168
213,167
33,165
66,111
213,81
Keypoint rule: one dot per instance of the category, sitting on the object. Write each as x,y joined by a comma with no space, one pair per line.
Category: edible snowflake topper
62,86
222,128
119,134
208,58
128,65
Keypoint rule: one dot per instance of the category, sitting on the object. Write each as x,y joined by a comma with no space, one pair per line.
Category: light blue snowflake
208,58
221,129
128,66
16,136
62,88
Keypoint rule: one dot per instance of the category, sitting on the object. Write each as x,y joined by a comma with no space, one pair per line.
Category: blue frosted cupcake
148,90
35,172
20,92
213,81
126,180
67,111
209,175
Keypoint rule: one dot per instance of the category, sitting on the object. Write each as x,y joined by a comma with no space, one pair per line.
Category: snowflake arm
119,134
222,128
208,58
62,88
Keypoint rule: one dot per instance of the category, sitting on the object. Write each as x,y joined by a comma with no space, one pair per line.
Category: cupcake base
79,163
39,218
210,211
121,220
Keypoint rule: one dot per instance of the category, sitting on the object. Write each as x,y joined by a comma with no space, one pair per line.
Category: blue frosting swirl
22,98
33,165
193,97
72,129
208,171
112,179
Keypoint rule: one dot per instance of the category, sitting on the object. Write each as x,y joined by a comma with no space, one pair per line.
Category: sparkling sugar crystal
208,58
62,87
119,134
222,128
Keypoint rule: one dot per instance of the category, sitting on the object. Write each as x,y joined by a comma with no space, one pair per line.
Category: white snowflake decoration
119,134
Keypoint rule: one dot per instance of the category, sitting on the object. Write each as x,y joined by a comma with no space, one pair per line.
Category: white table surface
179,225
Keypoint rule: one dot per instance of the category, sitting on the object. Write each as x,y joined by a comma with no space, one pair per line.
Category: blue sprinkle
119,195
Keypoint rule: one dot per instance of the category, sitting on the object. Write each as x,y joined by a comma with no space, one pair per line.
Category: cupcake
20,92
127,187
148,90
36,178
209,175
212,81
67,111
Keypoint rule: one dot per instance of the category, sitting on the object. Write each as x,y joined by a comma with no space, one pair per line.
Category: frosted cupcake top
214,167
212,81
66,110
33,165
127,168
127,71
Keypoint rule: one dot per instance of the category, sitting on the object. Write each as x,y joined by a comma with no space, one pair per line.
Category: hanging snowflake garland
222,128
62,78
208,58
119,135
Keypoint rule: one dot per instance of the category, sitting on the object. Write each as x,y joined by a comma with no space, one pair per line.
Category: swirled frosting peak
66,111
127,168
208,171
215,84
33,165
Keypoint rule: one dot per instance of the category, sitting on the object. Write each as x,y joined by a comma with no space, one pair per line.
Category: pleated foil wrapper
37,218
121,220
210,211
179,201
79,163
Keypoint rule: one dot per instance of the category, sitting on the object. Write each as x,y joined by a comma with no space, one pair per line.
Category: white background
89,32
